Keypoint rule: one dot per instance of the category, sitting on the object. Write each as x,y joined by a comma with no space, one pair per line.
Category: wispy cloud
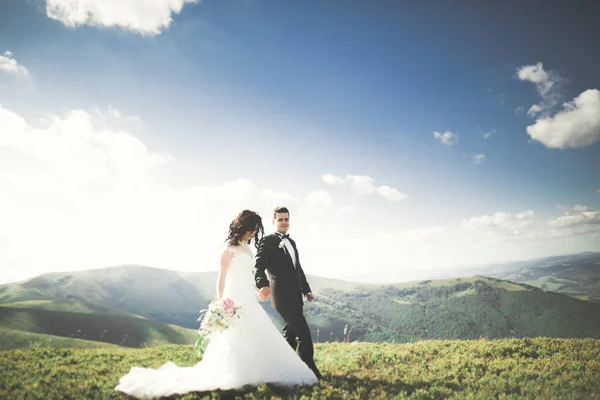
504,223
448,138
488,134
478,158
147,17
525,225
536,74
533,110
501,96
547,84
115,113
578,220
363,185
10,65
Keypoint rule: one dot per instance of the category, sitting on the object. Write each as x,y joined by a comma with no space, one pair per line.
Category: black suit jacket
287,284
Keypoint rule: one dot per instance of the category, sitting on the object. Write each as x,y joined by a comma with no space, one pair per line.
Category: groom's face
281,222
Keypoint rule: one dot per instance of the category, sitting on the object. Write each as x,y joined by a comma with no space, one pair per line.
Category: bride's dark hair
246,221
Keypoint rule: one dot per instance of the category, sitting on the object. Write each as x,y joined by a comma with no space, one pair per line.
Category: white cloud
389,193
577,125
537,75
488,134
509,236
501,222
478,158
333,180
448,138
519,110
75,196
533,110
363,185
579,215
113,112
319,199
147,17
525,226
10,65
547,84
579,220
581,208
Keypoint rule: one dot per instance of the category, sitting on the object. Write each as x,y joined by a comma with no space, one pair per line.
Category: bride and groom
253,351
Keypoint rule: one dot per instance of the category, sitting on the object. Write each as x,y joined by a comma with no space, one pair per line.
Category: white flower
281,245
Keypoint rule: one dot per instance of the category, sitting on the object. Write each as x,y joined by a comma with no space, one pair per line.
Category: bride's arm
225,261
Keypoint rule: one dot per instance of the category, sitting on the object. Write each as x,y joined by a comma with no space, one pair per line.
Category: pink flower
228,303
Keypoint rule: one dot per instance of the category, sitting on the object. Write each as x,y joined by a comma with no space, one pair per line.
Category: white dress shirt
289,248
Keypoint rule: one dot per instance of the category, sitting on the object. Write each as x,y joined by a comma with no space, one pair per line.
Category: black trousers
297,334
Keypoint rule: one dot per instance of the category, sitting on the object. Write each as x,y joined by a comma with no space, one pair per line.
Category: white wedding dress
253,352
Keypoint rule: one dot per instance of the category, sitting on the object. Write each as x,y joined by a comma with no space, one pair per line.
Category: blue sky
314,104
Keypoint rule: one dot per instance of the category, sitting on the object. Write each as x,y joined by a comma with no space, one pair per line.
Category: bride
252,352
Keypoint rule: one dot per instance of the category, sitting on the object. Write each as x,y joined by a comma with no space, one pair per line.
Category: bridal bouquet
221,315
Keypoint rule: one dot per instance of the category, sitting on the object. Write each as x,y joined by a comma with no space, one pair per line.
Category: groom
278,254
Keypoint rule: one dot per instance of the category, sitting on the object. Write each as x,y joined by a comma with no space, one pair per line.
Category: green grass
507,368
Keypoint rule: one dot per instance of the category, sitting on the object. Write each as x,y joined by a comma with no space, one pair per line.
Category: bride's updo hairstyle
246,221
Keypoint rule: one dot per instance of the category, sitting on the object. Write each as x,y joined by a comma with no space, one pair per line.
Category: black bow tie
286,236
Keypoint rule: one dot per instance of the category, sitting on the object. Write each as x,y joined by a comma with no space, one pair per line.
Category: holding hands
263,293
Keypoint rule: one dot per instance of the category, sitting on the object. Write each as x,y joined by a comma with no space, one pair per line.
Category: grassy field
507,368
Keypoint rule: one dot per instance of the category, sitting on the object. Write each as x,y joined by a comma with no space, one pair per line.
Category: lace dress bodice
239,284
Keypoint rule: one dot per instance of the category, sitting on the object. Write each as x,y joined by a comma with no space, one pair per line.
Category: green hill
576,275
462,308
14,339
162,295
121,330
480,369
67,305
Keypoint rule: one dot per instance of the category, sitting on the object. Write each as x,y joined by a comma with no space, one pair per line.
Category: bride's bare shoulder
229,247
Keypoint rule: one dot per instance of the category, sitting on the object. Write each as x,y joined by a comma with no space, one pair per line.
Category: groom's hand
310,297
264,293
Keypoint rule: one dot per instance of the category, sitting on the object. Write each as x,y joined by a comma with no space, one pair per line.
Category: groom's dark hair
280,210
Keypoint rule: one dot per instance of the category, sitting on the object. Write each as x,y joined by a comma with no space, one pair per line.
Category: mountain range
135,306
